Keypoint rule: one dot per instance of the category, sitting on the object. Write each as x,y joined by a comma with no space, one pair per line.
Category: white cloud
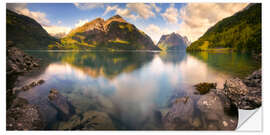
171,14
120,11
110,8
143,10
59,22
156,32
88,6
198,17
81,23
21,8
157,9
53,30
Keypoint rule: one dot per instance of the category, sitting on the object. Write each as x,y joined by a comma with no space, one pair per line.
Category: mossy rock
204,87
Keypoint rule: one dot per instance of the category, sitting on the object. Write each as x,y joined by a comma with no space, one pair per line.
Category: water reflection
131,87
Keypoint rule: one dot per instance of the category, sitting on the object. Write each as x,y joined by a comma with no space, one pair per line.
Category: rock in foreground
23,116
91,120
245,94
61,104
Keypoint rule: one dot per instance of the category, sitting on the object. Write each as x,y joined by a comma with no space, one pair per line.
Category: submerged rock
245,94
61,104
91,120
23,116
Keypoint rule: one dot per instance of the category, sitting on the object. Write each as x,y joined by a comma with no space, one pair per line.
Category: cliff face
112,34
172,41
26,33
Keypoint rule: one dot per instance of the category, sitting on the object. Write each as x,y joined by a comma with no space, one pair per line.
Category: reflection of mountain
107,64
236,64
172,56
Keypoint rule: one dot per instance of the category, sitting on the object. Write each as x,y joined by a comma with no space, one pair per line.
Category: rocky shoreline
214,103
20,114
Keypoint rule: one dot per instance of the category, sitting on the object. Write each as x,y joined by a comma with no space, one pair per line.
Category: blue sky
156,19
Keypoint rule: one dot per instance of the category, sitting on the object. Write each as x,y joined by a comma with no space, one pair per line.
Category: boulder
212,107
246,93
180,113
23,116
61,104
91,120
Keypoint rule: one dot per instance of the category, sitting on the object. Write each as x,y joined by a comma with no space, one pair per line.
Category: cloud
157,9
120,11
88,6
171,14
143,10
156,32
134,10
198,17
81,23
54,30
59,22
21,8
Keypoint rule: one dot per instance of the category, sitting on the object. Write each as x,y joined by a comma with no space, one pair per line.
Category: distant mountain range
112,34
173,41
240,32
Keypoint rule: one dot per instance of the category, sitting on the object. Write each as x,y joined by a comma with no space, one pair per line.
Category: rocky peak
115,17
172,41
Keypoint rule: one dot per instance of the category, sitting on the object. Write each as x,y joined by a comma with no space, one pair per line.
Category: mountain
112,34
172,41
240,32
26,33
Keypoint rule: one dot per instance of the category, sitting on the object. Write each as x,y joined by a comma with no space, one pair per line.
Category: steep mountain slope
26,33
240,32
112,34
172,41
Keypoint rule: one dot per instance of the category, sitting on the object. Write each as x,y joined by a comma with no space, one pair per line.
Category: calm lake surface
132,88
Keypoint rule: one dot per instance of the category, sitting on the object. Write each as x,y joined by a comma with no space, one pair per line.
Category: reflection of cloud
194,71
64,70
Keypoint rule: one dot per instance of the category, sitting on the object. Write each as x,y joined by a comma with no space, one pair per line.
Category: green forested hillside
26,33
240,32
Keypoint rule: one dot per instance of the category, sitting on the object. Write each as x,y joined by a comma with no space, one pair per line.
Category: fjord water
134,88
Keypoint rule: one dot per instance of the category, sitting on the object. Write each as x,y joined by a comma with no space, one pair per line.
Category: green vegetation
240,32
111,35
232,63
26,33
204,87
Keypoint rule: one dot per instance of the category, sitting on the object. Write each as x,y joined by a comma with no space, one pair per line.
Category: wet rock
23,116
178,116
245,94
91,120
213,107
204,87
61,104
29,86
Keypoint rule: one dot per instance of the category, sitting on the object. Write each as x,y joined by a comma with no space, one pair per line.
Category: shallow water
132,88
